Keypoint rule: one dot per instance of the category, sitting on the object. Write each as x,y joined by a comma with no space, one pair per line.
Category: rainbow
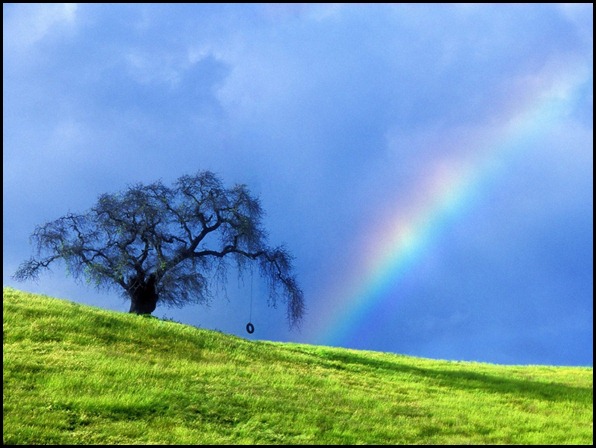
453,187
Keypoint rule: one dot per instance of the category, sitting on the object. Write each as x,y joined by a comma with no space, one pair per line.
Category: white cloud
69,135
580,15
30,23
283,11
148,69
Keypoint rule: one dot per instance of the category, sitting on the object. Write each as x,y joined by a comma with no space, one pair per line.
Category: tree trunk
143,296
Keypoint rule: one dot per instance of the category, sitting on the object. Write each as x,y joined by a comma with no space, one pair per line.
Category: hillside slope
75,374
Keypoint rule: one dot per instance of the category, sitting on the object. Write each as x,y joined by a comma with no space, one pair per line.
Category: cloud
581,15
335,115
28,24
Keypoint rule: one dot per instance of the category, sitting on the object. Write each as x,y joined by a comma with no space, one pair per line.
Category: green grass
75,374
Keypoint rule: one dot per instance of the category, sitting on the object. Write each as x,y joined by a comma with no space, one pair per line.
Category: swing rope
250,328
250,318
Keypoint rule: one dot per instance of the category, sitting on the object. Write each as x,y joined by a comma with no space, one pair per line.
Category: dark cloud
334,115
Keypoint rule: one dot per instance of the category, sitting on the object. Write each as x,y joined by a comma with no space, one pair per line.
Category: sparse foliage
167,245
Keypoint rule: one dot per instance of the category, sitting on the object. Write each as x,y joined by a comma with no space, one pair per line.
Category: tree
160,244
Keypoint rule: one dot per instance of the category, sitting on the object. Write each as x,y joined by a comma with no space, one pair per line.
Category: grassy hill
75,374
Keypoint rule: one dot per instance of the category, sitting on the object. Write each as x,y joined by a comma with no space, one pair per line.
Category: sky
430,167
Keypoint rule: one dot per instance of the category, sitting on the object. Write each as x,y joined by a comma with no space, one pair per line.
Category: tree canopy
169,245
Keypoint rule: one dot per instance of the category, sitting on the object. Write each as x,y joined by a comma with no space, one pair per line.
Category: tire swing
250,328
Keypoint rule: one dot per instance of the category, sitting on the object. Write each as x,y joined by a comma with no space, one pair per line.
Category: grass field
75,374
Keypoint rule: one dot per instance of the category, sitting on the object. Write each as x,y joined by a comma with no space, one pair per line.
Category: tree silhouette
167,245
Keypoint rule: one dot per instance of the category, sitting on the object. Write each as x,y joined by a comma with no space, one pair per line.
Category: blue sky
429,166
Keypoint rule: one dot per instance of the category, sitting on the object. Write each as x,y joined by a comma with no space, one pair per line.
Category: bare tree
167,245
